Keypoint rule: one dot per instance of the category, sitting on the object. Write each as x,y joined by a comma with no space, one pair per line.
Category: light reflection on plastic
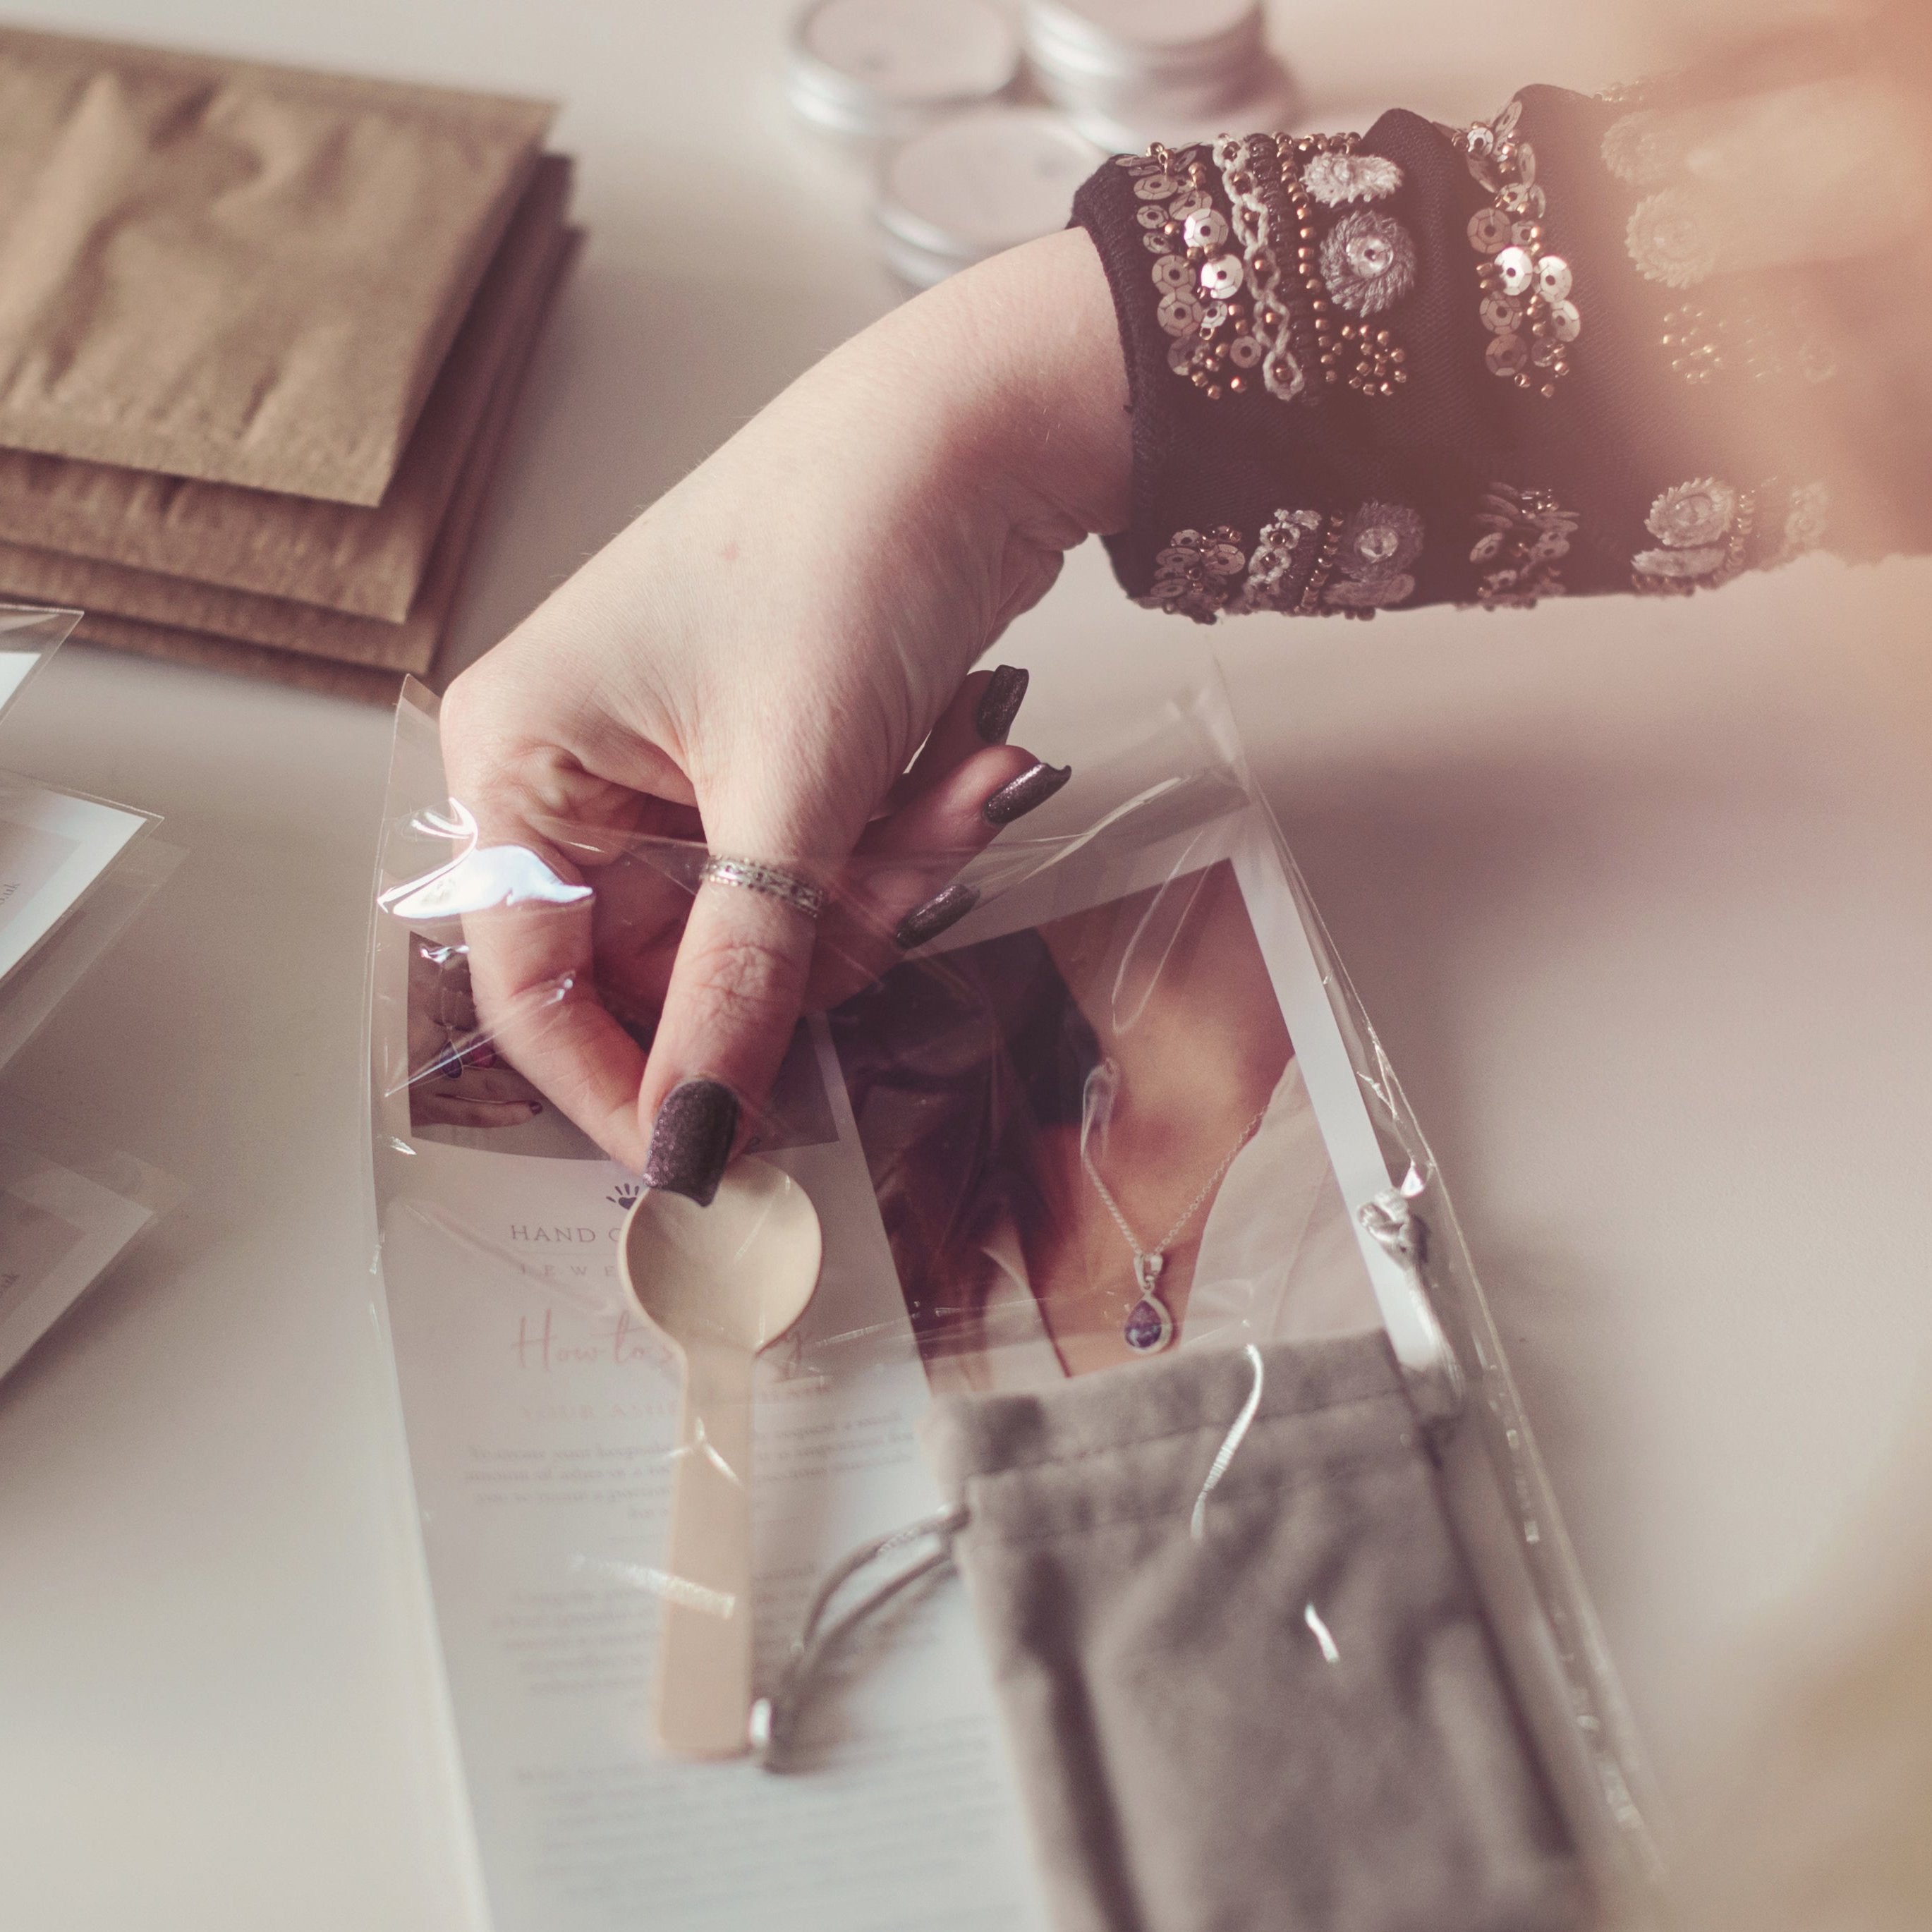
1312,1617
662,1583
479,878
1224,1455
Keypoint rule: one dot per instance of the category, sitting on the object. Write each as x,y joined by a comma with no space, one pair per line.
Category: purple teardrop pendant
1149,1328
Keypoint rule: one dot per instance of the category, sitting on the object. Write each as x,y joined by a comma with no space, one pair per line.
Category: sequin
1170,273
1221,276
1488,231
1205,229
1156,187
1197,573
1517,270
1519,295
1150,216
1178,314
1380,539
1526,533
1368,262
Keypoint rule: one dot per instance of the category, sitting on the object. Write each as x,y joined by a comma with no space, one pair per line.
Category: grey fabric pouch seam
982,1498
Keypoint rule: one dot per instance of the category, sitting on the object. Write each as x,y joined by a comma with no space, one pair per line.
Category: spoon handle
704,1658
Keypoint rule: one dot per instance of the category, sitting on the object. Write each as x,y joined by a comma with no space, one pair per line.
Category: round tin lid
985,180
875,55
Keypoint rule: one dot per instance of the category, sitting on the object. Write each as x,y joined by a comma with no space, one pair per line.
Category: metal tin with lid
1098,53
977,183
880,70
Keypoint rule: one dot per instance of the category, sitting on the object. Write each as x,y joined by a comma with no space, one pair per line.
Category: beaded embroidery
1368,262
1233,311
1807,517
1526,306
1767,345
1302,564
1526,535
1670,241
1378,543
1705,530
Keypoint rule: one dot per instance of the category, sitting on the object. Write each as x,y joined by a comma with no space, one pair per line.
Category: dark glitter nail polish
690,1140
1000,703
1017,798
929,920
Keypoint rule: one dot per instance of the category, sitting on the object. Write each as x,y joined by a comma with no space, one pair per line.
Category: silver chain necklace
1149,1327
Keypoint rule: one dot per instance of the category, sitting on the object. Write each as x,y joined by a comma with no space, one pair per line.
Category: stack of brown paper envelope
261,335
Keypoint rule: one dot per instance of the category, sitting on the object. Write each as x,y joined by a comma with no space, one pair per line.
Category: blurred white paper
55,848
29,636
16,668
40,982
60,1229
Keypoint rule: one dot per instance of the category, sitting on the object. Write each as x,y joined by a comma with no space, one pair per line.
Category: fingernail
1031,788
690,1140
929,920
1000,703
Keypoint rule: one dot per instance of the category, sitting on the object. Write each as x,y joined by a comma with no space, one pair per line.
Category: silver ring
801,895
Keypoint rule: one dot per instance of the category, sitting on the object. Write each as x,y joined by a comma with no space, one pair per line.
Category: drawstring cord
1389,1219
775,1718
1438,1391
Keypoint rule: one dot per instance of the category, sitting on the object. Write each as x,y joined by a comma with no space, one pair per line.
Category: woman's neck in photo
1188,1019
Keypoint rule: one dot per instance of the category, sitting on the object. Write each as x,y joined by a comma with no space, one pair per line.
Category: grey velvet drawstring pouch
1243,1671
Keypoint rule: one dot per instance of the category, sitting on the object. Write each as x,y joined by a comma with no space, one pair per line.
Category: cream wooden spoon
718,1283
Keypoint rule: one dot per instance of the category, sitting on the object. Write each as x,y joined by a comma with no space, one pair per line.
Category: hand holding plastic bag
755,662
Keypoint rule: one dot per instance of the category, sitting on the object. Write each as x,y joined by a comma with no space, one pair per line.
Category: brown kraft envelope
242,273
355,657
340,555
44,576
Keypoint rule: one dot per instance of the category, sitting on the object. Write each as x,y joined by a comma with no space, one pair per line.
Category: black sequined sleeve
1428,365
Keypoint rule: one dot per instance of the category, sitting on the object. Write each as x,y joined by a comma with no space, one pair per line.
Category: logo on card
624,1195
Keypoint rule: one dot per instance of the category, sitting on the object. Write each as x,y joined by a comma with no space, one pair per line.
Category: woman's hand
754,661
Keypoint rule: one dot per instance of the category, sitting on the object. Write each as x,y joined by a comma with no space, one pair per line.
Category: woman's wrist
1038,321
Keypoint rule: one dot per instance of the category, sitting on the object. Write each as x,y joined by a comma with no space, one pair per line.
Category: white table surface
1639,892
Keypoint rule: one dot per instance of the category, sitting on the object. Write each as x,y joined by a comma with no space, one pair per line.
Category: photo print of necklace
1149,1327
